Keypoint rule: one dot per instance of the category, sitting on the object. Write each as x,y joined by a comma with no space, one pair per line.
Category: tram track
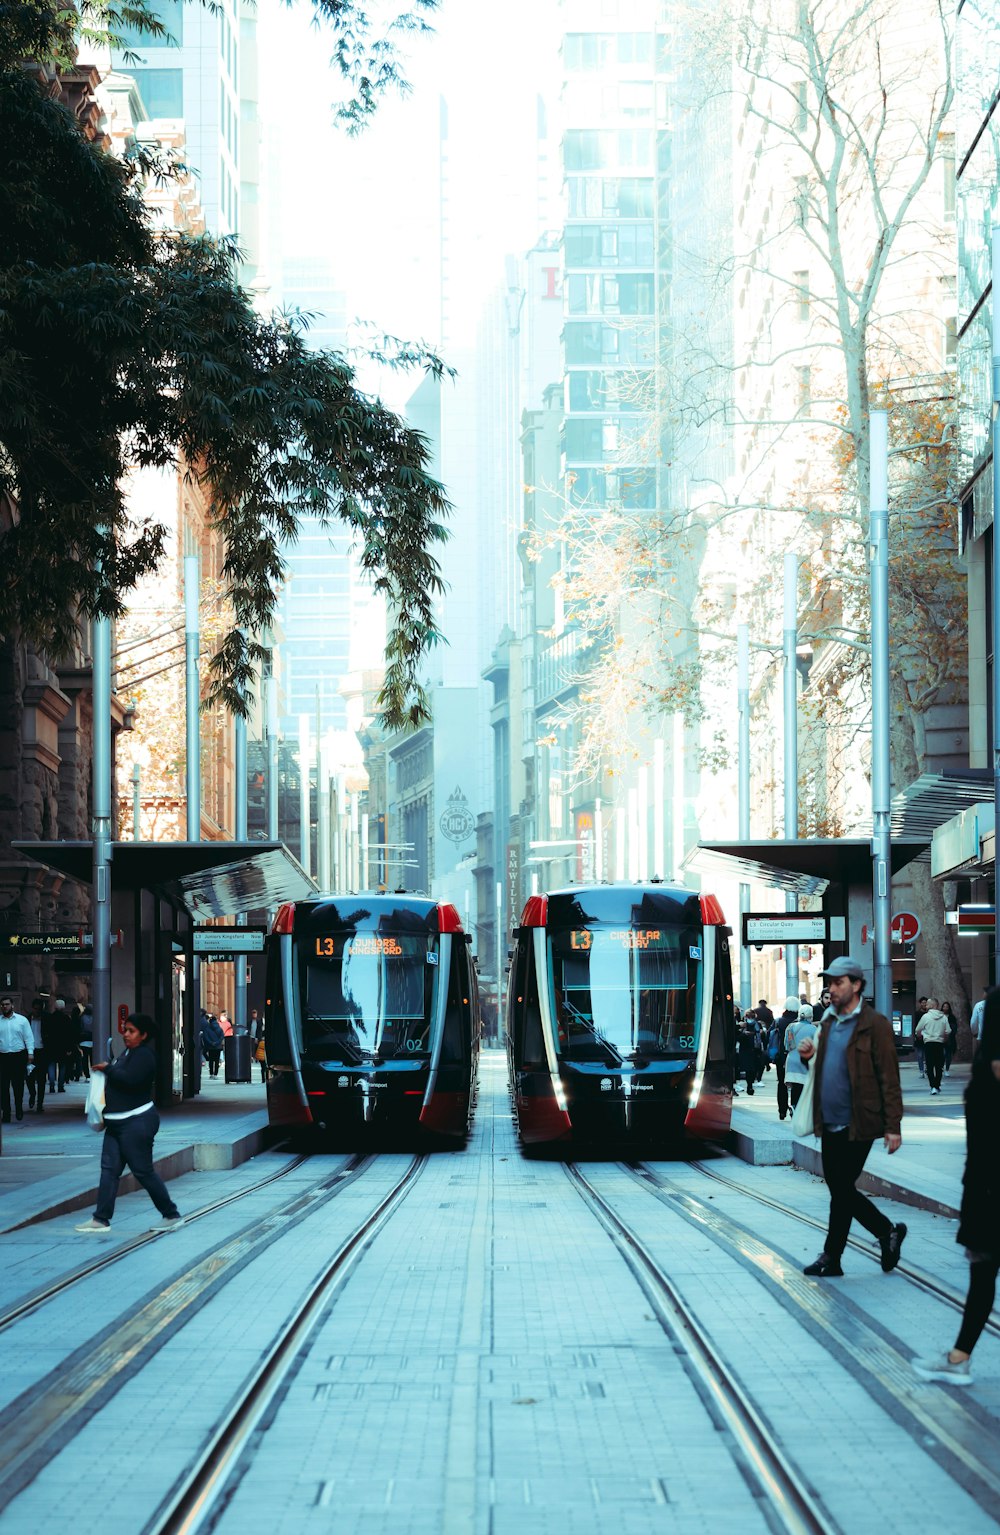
963,1440
52,1411
103,1260
792,1504
193,1501
923,1281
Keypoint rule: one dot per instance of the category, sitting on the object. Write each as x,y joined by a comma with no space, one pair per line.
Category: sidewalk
50,1163
926,1171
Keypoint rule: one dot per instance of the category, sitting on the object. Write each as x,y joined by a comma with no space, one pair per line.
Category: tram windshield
367,996
626,993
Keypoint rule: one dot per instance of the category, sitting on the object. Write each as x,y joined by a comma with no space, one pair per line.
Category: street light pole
995,615
240,827
743,715
100,990
791,637
192,698
881,770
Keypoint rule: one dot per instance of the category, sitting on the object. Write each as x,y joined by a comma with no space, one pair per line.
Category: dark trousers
978,1302
843,1161
12,1069
57,1066
795,1091
779,1067
212,1056
934,1059
37,1078
129,1143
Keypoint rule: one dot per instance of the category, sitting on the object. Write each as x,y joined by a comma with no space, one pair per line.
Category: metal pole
100,990
643,811
995,614
366,879
791,639
598,842
192,731
659,849
240,828
501,951
743,715
305,817
323,873
192,690
881,770
271,733
136,805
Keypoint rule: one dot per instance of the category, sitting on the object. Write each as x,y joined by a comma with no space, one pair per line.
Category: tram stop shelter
160,892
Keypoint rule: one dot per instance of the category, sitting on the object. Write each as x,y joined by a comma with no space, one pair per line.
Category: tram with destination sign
371,1020
619,1018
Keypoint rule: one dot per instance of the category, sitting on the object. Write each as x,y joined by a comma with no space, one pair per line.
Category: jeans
13,1065
934,1058
129,1143
57,1066
37,1079
779,1067
843,1161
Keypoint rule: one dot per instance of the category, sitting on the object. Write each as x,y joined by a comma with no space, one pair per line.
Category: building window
802,201
804,388
802,295
171,13
946,154
162,91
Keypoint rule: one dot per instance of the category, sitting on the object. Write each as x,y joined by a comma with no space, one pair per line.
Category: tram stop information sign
763,927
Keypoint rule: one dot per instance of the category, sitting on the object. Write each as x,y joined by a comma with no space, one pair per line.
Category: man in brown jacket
856,1099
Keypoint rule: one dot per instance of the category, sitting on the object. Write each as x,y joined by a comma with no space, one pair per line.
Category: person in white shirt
976,1021
17,1053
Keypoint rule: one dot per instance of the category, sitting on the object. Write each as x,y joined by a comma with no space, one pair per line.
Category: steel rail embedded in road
916,1276
104,1260
955,1436
56,1408
796,1509
192,1501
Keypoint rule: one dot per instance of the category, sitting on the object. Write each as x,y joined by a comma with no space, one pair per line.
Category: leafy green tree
122,348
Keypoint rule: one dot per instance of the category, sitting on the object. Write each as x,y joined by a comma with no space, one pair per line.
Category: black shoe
891,1244
824,1267
19,1114
61,1089
749,1092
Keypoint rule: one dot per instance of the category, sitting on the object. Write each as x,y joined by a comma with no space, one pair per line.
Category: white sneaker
94,1227
940,1367
168,1223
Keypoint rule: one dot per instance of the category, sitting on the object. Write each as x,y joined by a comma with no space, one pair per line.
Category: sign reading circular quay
457,821
784,927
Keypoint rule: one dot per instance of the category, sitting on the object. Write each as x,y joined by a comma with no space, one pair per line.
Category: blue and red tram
372,1021
620,1016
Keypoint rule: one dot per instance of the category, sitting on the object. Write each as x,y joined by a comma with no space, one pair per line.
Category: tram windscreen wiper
331,1039
590,1027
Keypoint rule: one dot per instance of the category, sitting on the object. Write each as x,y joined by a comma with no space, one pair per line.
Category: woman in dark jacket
979,1226
746,1049
130,1125
212,1040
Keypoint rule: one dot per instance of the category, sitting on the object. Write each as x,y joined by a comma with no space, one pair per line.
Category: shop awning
209,879
800,866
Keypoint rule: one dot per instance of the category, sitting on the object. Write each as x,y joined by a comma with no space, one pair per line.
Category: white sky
372,201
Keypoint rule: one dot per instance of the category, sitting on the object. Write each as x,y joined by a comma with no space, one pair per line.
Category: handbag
260,1052
95,1101
802,1116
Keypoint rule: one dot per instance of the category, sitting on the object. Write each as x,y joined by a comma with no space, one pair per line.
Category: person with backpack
796,1069
212,1039
777,1054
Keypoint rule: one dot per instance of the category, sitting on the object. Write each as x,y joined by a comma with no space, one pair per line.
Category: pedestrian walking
976,1021
979,1223
746,1050
211,1042
932,1031
951,1042
776,1050
918,1043
856,1098
226,1025
796,1069
259,1045
37,1076
17,1054
61,1045
130,1125
86,1037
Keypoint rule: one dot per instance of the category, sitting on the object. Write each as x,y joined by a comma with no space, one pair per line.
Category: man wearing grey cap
856,1099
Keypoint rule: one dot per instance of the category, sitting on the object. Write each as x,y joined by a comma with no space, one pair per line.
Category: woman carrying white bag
130,1125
